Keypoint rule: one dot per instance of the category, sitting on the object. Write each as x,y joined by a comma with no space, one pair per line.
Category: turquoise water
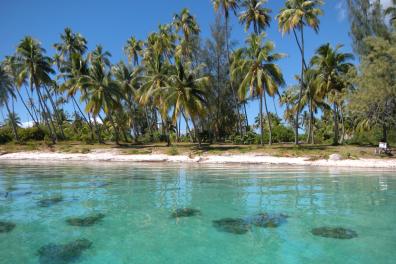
137,202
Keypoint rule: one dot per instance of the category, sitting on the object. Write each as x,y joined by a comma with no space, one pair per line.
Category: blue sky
110,23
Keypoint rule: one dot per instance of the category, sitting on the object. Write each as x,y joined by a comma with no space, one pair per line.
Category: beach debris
232,225
267,220
185,212
334,232
86,221
47,202
63,253
6,227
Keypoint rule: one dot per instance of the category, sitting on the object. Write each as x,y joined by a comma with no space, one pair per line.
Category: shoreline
250,159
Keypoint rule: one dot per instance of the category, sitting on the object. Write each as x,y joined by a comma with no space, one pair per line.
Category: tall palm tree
261,75
186,23
332,65
12,68
102,93
133,49
36,67
185,93
312,99
69,51
294,16
6,93
227,6
255,15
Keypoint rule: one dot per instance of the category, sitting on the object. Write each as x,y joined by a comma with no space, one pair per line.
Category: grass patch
173,151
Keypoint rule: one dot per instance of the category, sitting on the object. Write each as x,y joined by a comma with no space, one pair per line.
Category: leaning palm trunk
27,108
14,127
57,117
196,132
269,120
116,132
188,128
97,130
45,114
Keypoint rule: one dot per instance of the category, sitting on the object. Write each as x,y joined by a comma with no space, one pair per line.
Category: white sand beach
251,158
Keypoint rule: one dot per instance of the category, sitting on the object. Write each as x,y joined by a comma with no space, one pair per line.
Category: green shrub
5,135
31,133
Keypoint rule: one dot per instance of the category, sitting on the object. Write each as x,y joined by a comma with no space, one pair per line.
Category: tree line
174,75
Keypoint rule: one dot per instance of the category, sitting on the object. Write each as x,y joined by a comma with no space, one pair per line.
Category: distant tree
373,104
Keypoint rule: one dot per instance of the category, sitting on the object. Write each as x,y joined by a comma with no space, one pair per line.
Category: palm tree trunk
342,125
57,117
45,114
246,116
239,125
335,116
296,141
310,129
27,108
116,132
14,127
97,130
30,97
261,122
269,120
49,116
187,127
196,132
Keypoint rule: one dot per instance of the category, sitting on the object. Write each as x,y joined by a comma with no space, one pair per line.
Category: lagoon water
137,202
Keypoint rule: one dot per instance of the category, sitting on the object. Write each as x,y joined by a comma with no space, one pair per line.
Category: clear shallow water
137,201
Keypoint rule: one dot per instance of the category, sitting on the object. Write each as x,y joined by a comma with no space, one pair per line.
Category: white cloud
341,10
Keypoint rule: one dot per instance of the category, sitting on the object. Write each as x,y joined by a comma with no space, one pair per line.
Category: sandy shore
251,158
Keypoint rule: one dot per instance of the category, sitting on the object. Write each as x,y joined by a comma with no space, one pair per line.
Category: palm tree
227,6
294,16
187,24
69,60
133,49
312,99
7,92
261,75
102,94
36,67
12,68
332,65
185,93
254,14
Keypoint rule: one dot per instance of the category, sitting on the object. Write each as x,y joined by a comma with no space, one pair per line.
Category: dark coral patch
63,253
50,201
334,232
268,220
86,221
6,227
185,212
232,225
